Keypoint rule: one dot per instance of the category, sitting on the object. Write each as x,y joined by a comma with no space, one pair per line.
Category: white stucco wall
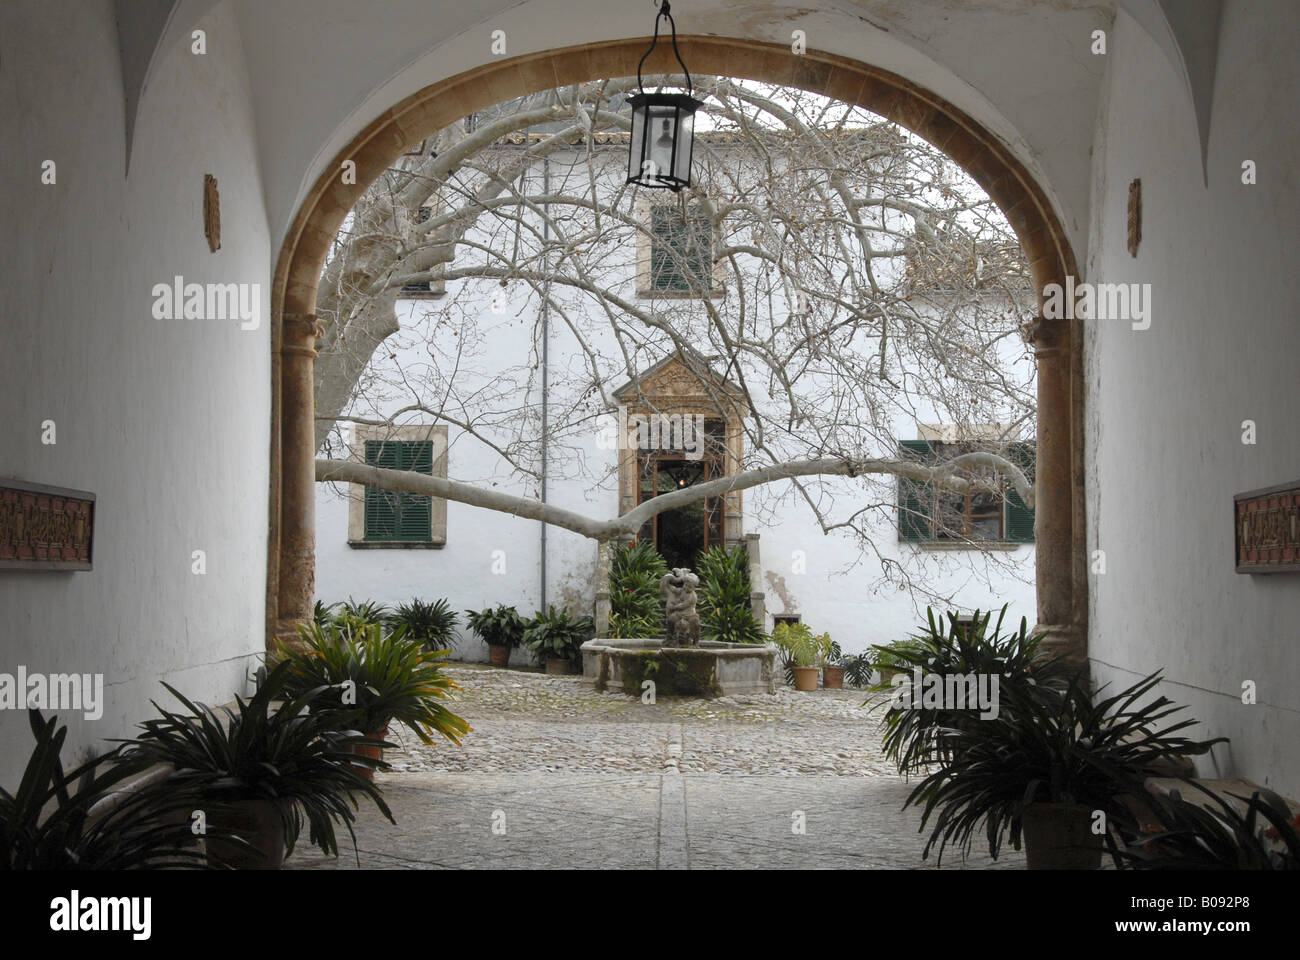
166,421
1166,405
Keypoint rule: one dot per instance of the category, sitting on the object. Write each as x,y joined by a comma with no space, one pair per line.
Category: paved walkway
557,775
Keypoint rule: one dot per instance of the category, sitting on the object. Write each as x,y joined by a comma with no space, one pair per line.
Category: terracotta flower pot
1058,836
805,678
258,822
499,654
559,667
375,753
833,678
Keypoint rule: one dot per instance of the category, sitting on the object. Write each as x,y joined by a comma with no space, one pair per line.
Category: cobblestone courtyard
555,774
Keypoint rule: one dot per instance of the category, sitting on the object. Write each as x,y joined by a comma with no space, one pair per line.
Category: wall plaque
1268,529
45,528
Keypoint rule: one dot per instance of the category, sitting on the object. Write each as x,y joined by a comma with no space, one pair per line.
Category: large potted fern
259,771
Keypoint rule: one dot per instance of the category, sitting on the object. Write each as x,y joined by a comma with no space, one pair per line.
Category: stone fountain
680,663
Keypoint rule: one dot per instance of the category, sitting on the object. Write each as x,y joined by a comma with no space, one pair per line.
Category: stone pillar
1053,490
297,471
604,557
757,598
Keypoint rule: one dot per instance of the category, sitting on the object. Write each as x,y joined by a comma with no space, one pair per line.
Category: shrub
47,824
1047,745
429,624
724,609
282,754
916,736
390,679
499,626
1211,836
636,608
356,614
556,635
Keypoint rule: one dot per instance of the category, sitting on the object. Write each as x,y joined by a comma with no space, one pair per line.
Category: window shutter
399,516
915,497
681,249
1019,518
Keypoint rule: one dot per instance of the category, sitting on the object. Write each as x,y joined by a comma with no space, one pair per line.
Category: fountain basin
713,669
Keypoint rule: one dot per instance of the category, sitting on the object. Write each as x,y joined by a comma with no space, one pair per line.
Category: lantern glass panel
636,150
681,168
663,141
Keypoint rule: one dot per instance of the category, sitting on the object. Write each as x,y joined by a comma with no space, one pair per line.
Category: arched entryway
1061,569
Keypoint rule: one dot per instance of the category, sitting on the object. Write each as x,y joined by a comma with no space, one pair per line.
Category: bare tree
868,283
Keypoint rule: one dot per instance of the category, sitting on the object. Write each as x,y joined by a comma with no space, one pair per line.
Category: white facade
831,581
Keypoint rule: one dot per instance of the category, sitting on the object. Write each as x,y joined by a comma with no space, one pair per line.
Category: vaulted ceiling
320,70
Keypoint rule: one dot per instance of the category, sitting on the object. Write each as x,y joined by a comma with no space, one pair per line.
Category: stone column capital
302,331
1048,337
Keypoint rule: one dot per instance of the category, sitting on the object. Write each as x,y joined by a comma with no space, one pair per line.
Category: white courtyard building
523,371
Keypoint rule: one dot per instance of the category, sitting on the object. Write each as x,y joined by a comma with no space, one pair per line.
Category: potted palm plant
97,816
1044,765
501,628
259,771
554,638
370,678
801,651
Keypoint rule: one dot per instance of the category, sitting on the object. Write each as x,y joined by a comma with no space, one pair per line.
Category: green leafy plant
857,669
431,625
636,608
370,678
916,736
1047,746
1211,835
633,627
322,613
555,635
51,822
499,626
724,597
798,642
361,613
299,763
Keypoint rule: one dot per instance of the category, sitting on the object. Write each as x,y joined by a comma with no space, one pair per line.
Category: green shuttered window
392,516
681,254
928,514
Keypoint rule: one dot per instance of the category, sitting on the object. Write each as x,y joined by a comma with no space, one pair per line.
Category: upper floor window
676,259
424,289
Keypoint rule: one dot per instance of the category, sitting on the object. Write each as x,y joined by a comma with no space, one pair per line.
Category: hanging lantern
663,127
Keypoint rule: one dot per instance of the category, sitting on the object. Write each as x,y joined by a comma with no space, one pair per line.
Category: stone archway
1061,550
